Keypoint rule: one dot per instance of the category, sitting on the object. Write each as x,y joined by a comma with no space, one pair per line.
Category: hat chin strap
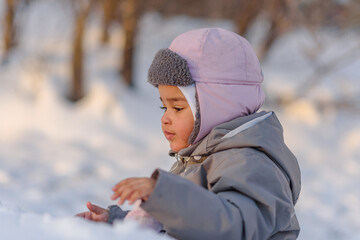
189,93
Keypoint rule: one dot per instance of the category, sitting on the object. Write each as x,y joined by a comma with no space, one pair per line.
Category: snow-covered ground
55,156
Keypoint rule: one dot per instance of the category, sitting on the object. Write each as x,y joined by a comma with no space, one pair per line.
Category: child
234,177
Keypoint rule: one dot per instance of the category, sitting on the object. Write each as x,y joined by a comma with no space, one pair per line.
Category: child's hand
96,213
132,189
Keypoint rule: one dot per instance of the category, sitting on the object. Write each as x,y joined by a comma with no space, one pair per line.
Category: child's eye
163,108
178,109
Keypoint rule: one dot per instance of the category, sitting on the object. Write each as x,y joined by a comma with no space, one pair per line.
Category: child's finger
125,195
89,205
80,215
121,183
126,182
86,215
115,195
89,216
135,196
114,188
122,188
95,209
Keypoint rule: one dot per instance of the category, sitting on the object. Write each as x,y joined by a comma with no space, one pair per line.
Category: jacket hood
226,73
261,131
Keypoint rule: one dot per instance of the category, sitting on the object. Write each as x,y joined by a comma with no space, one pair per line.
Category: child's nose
165,119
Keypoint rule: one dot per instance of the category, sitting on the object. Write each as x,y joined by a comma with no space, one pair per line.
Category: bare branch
327,68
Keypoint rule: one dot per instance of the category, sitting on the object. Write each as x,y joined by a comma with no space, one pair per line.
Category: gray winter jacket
246,185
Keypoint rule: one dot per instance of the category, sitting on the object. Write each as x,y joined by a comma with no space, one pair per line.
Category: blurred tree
246,15
109,14
82,9
281,16
130,14
315,15
353,13
9,27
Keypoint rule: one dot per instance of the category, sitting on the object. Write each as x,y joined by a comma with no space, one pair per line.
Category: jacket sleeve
116,213
247,200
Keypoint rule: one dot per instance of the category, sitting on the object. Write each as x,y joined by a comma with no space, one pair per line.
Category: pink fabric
226,72
143,218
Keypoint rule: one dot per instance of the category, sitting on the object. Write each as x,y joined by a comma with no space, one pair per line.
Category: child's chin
176,147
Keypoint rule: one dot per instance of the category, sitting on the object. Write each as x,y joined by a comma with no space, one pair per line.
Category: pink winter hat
224,68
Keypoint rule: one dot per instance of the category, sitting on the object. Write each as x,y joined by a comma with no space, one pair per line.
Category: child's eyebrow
175,99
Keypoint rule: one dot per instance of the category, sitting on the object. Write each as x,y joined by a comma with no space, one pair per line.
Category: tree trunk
247,14
109,10
9,28
77,91
130,17
280,23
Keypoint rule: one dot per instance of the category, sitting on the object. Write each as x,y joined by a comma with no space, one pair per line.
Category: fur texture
168,68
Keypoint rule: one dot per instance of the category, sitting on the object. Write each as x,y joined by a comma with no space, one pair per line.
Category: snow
55,156
15,224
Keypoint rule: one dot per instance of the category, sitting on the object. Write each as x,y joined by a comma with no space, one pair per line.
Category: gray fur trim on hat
168,68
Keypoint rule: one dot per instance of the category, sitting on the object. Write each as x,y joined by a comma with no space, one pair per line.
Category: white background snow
55,156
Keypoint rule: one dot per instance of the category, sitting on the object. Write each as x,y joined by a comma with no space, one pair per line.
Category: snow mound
17,224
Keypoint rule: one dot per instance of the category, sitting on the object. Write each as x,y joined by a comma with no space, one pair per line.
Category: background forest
77,116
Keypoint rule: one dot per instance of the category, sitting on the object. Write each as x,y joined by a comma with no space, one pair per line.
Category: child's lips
168,135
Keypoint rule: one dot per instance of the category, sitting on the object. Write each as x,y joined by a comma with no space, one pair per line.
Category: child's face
177,122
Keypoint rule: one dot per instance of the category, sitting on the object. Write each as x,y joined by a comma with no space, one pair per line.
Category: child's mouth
169,136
